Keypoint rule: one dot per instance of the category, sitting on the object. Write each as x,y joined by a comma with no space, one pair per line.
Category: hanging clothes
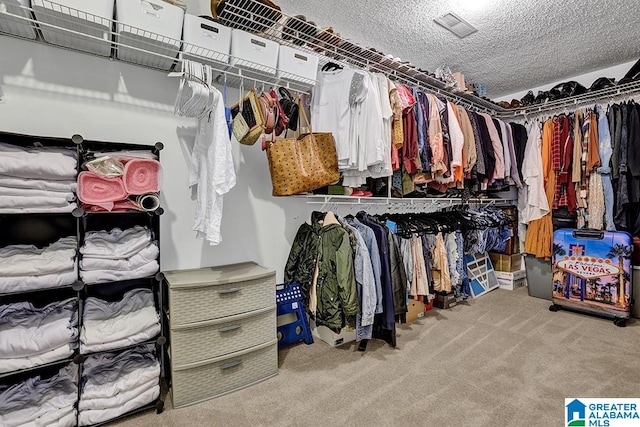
321,261
469,140
562,152
535,204
212,170
366,285
539,237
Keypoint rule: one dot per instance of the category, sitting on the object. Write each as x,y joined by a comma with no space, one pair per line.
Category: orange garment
593,161
539,237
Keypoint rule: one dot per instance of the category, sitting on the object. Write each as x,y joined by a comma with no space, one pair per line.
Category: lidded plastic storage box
62,19
15,24
204,38
147,29
254,53
297,65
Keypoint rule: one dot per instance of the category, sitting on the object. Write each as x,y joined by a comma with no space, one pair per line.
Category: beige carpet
501,360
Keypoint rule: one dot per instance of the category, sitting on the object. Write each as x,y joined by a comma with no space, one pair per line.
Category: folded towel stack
110,256
111,325
41,402
37,180
28,268
116,383
31,336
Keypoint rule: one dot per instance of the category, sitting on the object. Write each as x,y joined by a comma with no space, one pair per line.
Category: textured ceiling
520,44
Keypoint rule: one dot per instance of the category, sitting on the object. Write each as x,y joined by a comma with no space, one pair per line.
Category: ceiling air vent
456,25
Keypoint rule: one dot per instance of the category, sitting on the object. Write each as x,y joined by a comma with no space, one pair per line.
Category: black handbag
566,90
290,107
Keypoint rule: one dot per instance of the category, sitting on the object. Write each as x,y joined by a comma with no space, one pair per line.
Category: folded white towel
89,417
94,390
39,184
42,163
138,338
93,277
56,411
29,260
97,332
13,202
117,399
24,341
40,209
10,365
36,194
143,257
117,243
11,284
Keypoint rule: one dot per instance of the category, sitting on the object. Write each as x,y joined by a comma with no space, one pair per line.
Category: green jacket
328,246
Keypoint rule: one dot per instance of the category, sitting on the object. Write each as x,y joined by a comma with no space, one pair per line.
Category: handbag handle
284,92
304,114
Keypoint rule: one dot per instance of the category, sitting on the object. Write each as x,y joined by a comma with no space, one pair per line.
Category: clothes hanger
331,66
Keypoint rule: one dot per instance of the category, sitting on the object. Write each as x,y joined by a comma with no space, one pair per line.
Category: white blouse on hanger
536,204
212,170
330,109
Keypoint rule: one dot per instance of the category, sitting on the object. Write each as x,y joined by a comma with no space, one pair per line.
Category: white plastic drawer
92,18
15,24
214,338
297,65
253,52
149,32
205,380
206,39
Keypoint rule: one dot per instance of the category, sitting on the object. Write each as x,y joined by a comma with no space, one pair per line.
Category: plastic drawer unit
296,65
77,24
254,53
149,32
223,330
13,18
205,40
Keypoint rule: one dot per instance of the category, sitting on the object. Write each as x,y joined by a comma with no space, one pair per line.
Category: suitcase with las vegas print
591,273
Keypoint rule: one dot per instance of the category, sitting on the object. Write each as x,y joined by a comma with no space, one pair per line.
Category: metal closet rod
357,57
604,95
348,53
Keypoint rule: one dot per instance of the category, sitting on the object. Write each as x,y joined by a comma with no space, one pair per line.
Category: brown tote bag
302,164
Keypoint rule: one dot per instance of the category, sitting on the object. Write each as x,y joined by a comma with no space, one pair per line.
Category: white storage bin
91,18
14,24
297,65
254,53
205,39
152,26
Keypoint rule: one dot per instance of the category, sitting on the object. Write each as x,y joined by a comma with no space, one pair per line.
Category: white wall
615,72
55,92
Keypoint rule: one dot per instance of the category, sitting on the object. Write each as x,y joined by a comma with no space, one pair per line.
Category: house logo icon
576,414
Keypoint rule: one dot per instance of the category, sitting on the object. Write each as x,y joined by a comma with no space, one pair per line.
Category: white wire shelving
52,23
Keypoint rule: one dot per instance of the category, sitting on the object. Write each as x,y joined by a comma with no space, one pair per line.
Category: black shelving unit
42,229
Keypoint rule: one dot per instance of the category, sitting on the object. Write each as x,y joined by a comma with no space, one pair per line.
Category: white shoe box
345,336
512,281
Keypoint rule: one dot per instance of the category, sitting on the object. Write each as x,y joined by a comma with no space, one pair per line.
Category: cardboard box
509,263
512,281
416,310
325,334
445,301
